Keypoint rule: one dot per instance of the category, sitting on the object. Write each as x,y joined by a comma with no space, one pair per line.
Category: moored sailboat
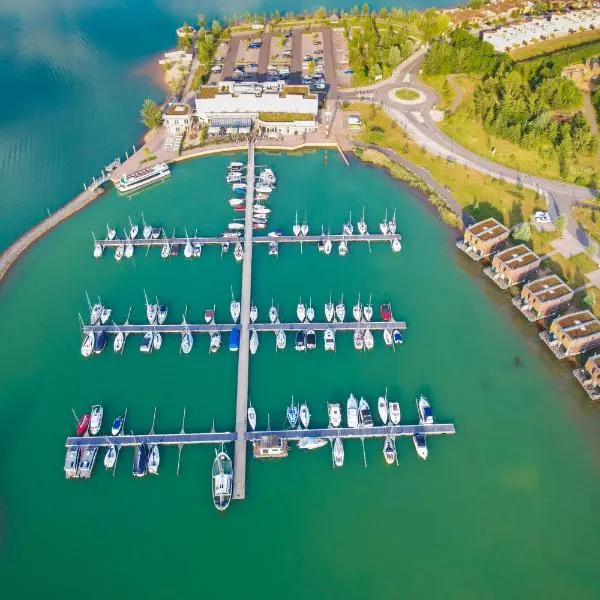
292,414
389,450
338,452
251,417
329,310
304,415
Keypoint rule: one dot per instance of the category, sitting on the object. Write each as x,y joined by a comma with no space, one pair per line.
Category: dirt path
458,92
590,114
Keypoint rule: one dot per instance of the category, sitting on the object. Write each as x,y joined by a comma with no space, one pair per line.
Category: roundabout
407,95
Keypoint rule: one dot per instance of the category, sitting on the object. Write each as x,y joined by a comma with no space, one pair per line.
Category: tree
201,21
216,28
151,114
561,224
365,10
592,247
522,232
394,57
320,13
590,299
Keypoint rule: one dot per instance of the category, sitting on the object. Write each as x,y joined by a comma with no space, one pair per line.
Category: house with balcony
177,118
589,377
572,334
543,297
483,238
512,266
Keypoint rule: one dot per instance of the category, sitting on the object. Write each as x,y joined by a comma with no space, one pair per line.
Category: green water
506,508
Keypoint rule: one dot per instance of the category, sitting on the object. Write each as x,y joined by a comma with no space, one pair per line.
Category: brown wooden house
573,334
589,376
481,239
512,266
543,297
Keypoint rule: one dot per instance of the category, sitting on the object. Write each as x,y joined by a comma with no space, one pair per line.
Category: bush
522,232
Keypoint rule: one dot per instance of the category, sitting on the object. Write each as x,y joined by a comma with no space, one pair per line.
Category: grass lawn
589,219
406,94
468,131
553,44
444,91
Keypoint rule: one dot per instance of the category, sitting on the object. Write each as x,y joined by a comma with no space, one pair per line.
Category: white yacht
352,412
364,413
296,226
292,414
329,310
128,249
238,252
133,230
310,311
304,415
110,457
98,250
394,411
235,166
383,226
311,443
301,311
119,252
304,227
253,342
421,445
95,313
253,313
368,311
96,418
396,245
329,338
343,247
165,251
273,313
117,426
327,247
162,311
196,249
340,310
222,481
157,341
188,250
349,227
389,450
119,341
335,414
280,339
215,341
153,459
362,224
146,229
368,339
87,345
233,177
236,202
147,342
151,311
234,309
392,223
143,177
338,452
252,417
358,339
424,410
382,408
111,232
187,341
357,310
105,314
235,226
387,337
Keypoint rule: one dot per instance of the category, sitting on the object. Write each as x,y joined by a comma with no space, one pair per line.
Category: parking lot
219,61
280,51
340,51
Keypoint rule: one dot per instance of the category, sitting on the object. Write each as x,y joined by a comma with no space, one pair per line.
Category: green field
551,46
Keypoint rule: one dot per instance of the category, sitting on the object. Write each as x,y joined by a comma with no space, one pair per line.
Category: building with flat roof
276,109
572,334
482,238
543,297
177,118
512,266
589,376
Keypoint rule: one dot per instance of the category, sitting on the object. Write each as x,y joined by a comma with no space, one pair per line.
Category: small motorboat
98,251
280,339
209,315
117,426
340,310
396,245
147,342
233,177
235,166
397,336
310,311
238,252
156,231
95,313
368,339
424,410
382,408
421,445
252,417
162,312
338,452
187,342
222,481
364,414
273,313
259,209
301,341
239,188
275,233
96,419
262,197
253,313
120,252
259,226
329,340
99,342
358,339
196,249
236,202
352,412
304,415
357,310
225,247
153,459
235,226
253,342
119,341
105,314
327,247
301,311
329,310
394,411
335,414
387,337
215,342
88,344
292,414
234,339
311,443
311,340
157,341
343,248
321,245
263,189
82,425
110,457
386,312
389,450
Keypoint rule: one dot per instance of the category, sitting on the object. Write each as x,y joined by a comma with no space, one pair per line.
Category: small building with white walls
177,118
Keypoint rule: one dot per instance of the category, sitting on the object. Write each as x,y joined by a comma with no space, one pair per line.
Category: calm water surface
506,508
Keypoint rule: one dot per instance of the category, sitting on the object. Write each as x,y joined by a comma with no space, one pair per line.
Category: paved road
329,62
296,64
230,59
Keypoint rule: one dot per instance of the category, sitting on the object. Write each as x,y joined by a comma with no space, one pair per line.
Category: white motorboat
358,339
128,249
133,230
98,251
263,189
273,249
348,227
335,414
340,310
105,314
87,345
162,311
343,247
259,209
197,249
396,245
147,342
362,224
368,339
292,414
311,443
235,166
394,411
215,341
236,202
327,247
383,226
329,338
311,340
96,418
253,342
188,250
234,308
387,337
338,452
119,341
296,226
382,408
357,310
280,339
273,313
155,234
421,445
187,342
252,417
253,313
392,224
238,253
110,457
364,414
235,226
310,311
117,426
111,232
119,252
304,415
301,311
389,450
146,229
424,410
165,251
233,177
157,341
329,310
153,459
222,481
352,412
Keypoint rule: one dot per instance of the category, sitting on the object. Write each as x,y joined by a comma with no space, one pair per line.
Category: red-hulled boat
259,226
83,425
386,312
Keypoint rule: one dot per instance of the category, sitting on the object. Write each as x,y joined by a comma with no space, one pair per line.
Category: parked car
317,43
319,85
216,69
318,52
542,217
308,58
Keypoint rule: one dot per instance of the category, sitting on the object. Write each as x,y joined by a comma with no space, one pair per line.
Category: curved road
417,121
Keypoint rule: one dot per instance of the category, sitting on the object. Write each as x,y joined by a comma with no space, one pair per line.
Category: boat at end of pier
222,481
143,177
71,462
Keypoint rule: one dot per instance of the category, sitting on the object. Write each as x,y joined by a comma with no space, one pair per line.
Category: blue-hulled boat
140,461
397,336
301,341
234,339
100,341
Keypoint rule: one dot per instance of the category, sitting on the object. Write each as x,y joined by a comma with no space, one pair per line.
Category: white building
235,107
535,30
177,118
177,56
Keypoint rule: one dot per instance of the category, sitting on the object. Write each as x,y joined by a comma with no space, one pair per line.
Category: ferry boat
424,410
292,414
389,450
140,460
87,462
222,481
304,415
311,340
394,410
301,341
280,339
382,408
153,459
338,452
335,414
421,445
99,342
311,443
117,426
96,419
143,177
71,462
364,414
352,412
329,339
386,312
234,339
110,457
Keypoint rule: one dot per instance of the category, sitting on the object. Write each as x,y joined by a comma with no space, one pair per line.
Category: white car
542,217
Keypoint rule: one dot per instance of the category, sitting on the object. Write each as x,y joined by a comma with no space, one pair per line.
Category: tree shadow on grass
484,210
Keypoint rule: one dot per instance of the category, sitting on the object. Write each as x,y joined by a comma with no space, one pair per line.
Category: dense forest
529,104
